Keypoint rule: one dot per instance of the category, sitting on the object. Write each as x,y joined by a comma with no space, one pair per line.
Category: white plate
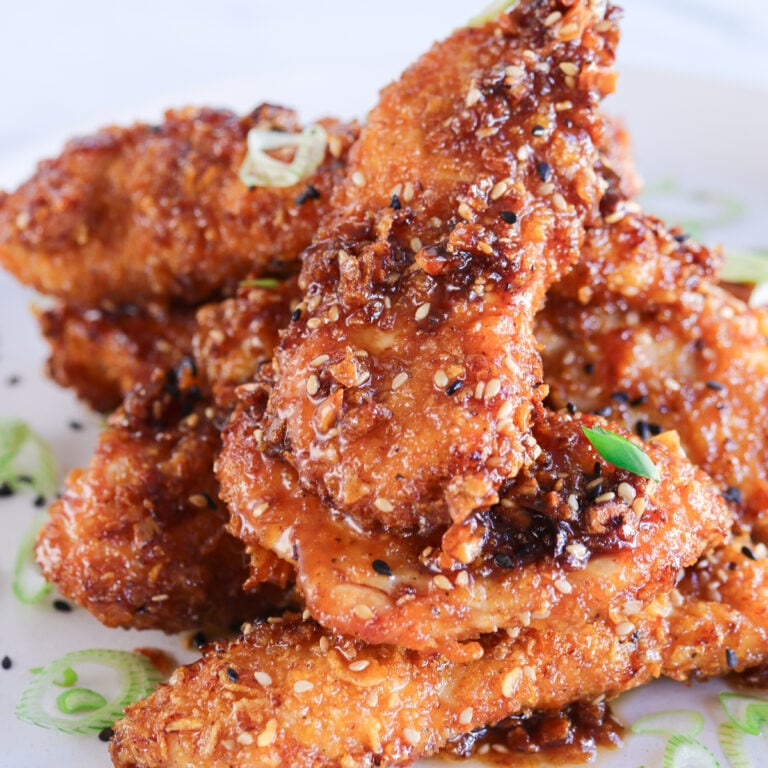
701,149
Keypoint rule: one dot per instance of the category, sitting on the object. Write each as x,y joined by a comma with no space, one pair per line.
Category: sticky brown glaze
102,354
640,333
456,214
158,213
572,539
138,538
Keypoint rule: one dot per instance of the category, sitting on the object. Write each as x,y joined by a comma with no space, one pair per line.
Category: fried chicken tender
159,214
138,538
684,353
564,544
404,390
296,683
103,354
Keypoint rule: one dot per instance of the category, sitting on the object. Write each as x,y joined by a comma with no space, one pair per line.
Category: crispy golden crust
158,213
564,545
420,289
408,705
138,538
102,354
640,331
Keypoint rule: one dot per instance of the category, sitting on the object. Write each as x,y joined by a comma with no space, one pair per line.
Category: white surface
70,67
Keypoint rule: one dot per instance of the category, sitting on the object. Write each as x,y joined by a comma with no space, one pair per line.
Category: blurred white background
69,67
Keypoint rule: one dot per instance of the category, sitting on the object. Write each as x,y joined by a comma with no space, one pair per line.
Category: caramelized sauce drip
571,735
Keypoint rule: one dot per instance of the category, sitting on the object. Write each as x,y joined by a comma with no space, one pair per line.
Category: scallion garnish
261,170
114,679
260,282
749,267
29,585
24,454
747,713
490,12
622,453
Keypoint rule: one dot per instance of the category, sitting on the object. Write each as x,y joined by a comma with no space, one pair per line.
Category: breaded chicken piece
292,686
404,390
159,214
641,333
564,544
102,354
138,537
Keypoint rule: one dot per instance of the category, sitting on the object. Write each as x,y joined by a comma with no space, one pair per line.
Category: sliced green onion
29,584
687,752
23,453
261,282
490,12
731,741
749,713
622,453
114,680
68,678
749,267
687,722
261,170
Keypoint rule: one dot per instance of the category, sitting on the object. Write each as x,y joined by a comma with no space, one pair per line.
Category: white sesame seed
399,380
603,497
412,736
499,188
562,106
573,503
577,550
302,686
313,385
525,618
530,673
626,492
563,586
632,607
485,248
546,189
639,505
267,736
513,72
440,379
262,678
385,505
442,582
569,68
559,202
505,411
422,311
159,598
553,18
473,95
314,322
465,212
319,360
407,195
363,612
22,220
479,390
372,700
625,628
358,179
198,500
465,718
510,682
523,153
415,244
359,665
492,388
616,216
462,579
245,738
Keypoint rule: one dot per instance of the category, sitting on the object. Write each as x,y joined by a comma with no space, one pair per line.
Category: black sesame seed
75,426
310,193
716,385
62,606
538,130
589,368
544,170
232,674
6,489
748,553
682,237
503,560
732,494
597,469
106,734
639,400
595,491
454,387
509,217
620,397
295,315
209,501
199,639
646,429
40,501
382,568
605,411
395,203
730,658
6,663
12,381
571,408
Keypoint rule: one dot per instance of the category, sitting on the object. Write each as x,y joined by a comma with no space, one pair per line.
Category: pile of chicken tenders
350,411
